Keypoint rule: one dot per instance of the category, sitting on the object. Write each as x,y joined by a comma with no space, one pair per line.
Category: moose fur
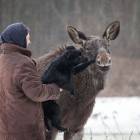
76,111
60,72
63,67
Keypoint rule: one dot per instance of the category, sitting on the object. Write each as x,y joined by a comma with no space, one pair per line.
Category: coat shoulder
22,59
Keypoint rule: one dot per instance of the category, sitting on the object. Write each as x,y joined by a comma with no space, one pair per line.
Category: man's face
28,40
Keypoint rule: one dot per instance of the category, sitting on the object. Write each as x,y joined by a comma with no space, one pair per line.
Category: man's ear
112,31
75,35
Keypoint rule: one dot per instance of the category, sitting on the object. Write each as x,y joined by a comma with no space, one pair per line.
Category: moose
76,111
60,72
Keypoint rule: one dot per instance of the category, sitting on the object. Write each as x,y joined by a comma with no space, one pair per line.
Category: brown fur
76,111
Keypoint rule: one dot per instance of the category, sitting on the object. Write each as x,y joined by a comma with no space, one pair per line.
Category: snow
112,115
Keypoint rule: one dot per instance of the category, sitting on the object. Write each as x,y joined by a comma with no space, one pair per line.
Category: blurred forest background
47,20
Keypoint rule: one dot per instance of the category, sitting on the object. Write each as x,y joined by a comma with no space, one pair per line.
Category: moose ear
75,35
112,31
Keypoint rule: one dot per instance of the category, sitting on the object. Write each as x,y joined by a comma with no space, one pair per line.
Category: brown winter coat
21,93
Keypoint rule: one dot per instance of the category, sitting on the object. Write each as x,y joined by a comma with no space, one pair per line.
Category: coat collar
8,48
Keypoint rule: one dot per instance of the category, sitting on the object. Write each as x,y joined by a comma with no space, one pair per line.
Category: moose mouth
104,68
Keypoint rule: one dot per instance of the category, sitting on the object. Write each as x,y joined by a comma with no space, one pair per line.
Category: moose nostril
109,61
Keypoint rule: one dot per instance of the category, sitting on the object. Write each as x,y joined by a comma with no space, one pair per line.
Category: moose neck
44,61
92,81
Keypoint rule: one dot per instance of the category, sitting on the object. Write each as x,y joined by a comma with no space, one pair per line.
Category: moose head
94,47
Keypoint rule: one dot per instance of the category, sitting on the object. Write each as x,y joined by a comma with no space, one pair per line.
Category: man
21,90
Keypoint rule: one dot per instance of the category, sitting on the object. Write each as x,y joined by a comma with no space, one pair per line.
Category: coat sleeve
28,79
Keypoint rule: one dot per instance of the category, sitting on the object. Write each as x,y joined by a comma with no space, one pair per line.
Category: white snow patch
119,115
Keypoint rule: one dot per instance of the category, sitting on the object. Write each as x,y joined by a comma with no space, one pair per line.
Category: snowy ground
115,115
114,119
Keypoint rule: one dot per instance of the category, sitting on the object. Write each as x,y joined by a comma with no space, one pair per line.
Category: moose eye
108,51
